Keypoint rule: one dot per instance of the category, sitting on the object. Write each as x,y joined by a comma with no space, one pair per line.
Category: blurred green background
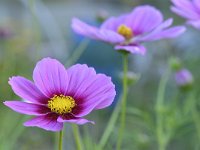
33,29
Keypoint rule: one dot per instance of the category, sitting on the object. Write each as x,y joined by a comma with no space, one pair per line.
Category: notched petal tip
81,65
176,31
6,103
170,21
50,77
47,122
46,59
147,7
26,89
134,49
27,108
75,20
12,78
182,29
47,129
79,121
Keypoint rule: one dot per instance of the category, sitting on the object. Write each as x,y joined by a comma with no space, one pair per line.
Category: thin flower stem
36,26
124,99
195,113
60,140
196,120
107,132
77,137
161,137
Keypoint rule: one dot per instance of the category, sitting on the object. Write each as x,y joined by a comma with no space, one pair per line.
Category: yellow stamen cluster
61,104
125,31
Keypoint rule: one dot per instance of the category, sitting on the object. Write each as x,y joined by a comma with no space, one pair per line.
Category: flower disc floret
125,31
61,104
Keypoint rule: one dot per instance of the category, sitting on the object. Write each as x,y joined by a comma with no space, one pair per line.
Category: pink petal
135,49
113,23
160,32
27,90
80,76
197,4
48,122
185,6
157,30
106,99
110,36
144,19
194,23
79,121
94,33
168,33
50,77
182,13
99,95
27,108
84,29
99,91
90,90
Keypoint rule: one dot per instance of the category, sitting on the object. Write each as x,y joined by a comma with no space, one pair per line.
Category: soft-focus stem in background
77,52
124,99
77,137
195,114
36,27
110,126
60,140
160,129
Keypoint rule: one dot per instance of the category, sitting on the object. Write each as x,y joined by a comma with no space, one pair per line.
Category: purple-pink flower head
5,33
184,78
60,95
188,9
128,32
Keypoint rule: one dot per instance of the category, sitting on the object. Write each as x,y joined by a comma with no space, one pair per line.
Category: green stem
124,99
161,136
36,27
197,123
60,140
195,113
77,137
107,132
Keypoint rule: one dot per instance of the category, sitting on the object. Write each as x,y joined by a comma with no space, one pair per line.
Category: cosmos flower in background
128,32
61,95
184,79
5,33
188,9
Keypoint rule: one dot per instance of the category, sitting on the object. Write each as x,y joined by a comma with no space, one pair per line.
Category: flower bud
184,79
5,33
175,63
101,16
131,77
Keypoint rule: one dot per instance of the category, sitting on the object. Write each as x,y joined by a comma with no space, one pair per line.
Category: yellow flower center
125,31
61,104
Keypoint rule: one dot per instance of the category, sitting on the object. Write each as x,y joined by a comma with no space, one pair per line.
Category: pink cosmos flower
128,32
60,95
188,9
